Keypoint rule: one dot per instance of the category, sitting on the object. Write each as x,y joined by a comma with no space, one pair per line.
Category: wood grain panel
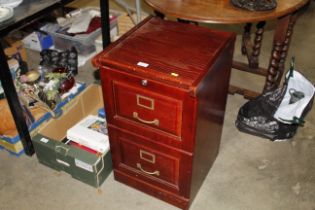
170,170
151,109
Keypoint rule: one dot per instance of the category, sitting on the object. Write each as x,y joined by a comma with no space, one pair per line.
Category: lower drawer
160,166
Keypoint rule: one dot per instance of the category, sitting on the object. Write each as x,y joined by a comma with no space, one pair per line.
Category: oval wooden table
223,12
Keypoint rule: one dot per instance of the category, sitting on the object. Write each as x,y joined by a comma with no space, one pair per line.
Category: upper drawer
148,107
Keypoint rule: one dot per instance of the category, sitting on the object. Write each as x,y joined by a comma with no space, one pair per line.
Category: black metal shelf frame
5,75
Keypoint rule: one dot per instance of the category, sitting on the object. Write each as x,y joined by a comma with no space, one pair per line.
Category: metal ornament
255,5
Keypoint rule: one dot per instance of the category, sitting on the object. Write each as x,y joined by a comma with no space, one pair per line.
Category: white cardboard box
90,132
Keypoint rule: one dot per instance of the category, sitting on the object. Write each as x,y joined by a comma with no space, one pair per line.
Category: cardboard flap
87,102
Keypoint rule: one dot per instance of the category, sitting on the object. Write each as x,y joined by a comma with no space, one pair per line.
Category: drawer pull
157,173
153,122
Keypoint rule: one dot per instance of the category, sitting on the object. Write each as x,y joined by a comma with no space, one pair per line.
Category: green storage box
87,167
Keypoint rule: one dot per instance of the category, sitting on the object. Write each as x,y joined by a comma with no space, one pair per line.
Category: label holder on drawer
150,100
147,156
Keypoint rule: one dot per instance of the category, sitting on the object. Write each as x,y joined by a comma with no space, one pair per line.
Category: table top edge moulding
221,12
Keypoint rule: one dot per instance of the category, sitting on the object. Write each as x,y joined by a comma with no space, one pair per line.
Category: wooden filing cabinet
165,86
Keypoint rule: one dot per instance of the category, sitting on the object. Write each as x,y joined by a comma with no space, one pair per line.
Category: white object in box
81,22
90,132
10,3
37,41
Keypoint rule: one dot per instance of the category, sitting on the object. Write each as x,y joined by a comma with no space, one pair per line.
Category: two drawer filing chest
165,87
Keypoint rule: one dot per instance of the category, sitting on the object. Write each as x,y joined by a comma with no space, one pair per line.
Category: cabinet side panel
212,95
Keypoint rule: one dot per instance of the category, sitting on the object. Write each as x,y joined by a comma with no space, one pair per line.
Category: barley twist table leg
246,37
252,48
286,45
273,69
257,45
282,36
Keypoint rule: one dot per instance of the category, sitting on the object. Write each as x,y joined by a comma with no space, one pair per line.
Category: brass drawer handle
157,173
153,122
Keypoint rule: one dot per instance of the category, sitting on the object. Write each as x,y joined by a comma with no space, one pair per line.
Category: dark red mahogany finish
165,86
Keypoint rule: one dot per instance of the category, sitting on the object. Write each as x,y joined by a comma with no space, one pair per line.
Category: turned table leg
281,43
246,37
252,48
254,61
159,14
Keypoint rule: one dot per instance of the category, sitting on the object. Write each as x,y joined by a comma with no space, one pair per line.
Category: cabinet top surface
166,50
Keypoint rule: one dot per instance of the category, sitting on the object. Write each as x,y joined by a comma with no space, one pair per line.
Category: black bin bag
277,114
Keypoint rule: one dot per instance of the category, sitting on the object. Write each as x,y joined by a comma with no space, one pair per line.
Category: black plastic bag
256,117
260,117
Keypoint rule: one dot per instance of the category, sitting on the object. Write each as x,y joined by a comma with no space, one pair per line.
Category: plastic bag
299,92
276,115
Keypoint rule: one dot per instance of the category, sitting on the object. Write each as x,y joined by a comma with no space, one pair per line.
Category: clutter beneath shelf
56,151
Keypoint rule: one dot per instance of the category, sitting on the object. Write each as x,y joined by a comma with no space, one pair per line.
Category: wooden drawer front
149,162
148,108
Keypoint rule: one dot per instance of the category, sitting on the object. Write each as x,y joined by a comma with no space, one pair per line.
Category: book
75,144
90,132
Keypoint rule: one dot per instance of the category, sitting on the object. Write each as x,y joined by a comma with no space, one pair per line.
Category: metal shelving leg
129,10
105,22
13,101
138,9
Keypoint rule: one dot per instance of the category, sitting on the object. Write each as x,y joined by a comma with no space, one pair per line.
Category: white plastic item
5,13
90,132
82,21
287,110
10,3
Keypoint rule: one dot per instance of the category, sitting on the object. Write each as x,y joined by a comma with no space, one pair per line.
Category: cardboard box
87,167
14,149
44,118
16,46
